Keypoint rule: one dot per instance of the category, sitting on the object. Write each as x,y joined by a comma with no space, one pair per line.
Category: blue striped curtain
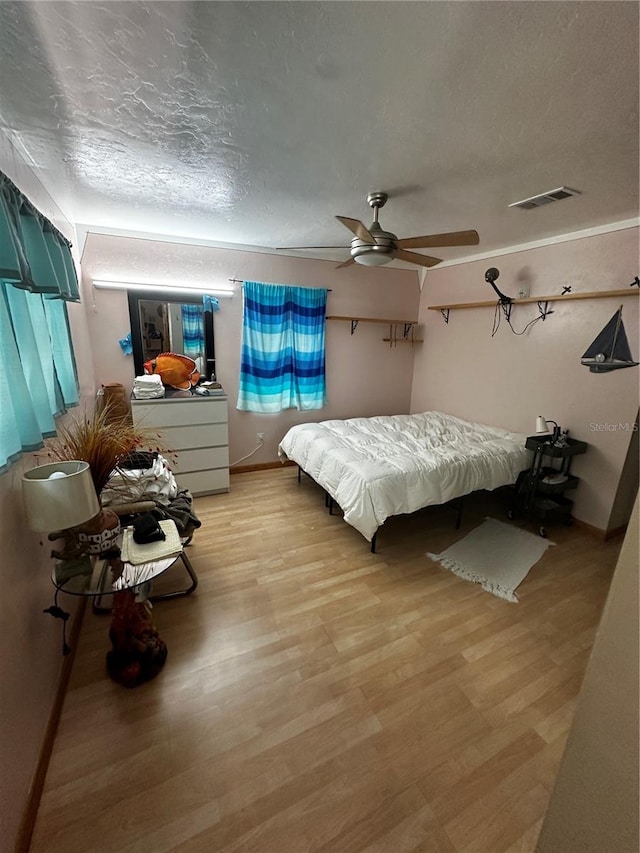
283,346
37,369
192,330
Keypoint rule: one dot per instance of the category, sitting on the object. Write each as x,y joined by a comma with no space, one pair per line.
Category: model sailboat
610,350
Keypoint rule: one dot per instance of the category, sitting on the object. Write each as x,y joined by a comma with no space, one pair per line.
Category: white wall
507,380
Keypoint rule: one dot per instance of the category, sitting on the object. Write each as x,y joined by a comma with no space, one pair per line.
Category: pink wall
508,380
364,375
30,651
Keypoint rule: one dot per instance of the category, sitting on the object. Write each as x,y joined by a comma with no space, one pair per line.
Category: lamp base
99,534
96,536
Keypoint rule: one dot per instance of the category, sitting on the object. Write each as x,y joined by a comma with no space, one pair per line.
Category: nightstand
539,491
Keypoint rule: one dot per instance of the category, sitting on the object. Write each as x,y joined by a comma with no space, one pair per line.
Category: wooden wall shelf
374,320
597,294
407,325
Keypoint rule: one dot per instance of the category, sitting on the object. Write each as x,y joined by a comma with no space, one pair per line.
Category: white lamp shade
59,495
542,427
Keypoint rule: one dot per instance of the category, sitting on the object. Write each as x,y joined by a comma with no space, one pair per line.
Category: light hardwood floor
317,697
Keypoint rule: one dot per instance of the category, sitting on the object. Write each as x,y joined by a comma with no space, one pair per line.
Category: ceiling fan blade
356,227
453,238
345,264
300,248
415,258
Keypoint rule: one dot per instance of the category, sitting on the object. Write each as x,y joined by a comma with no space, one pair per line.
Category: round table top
93,576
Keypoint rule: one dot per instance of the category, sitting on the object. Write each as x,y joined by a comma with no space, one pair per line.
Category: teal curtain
192,330
283,348
34,255
38,377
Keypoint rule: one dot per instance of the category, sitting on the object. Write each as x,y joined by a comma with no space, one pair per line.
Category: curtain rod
240,281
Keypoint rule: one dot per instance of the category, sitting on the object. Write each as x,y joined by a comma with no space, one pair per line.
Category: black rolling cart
539,491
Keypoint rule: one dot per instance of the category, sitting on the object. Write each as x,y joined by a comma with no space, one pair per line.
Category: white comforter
378,467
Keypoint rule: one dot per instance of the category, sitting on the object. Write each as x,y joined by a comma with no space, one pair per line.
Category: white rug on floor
495,555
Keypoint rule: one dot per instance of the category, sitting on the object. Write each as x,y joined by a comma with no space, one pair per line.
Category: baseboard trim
28,822
259,466
598,532
615,532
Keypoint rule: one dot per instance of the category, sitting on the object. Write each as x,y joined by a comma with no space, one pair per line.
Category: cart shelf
545,501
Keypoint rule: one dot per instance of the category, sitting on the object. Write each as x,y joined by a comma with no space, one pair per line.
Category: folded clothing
156,483
136,554
148,387
180,510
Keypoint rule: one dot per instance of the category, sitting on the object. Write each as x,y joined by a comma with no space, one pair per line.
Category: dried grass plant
103,439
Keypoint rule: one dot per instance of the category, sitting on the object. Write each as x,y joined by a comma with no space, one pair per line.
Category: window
283,348
37,369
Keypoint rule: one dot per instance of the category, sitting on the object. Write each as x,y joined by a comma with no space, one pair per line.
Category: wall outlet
260,437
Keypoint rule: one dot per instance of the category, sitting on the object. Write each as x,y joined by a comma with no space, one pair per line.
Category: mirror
171,322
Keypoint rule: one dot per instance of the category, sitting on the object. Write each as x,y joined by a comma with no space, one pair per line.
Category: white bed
378,467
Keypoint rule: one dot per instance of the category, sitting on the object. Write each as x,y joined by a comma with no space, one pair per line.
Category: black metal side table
539,491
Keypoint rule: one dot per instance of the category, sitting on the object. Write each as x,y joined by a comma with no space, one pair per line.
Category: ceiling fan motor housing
374,247
383,251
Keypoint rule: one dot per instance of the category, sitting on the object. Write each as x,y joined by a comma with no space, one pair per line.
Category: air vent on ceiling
545,198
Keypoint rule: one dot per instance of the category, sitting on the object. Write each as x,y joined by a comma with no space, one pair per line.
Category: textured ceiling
255,123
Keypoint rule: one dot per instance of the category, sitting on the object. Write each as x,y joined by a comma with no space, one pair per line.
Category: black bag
146,529
138,460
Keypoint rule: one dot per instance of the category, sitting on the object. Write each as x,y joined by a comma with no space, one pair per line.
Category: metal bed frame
330,502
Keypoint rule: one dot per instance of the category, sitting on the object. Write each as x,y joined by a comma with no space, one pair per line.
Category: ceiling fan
373,246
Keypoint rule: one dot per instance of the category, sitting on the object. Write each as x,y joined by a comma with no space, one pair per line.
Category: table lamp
60,496
542,428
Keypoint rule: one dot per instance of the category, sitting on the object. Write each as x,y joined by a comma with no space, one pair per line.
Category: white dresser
195,430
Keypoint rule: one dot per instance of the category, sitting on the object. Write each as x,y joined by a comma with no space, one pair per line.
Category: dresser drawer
202,459
191,437
205,482
163,413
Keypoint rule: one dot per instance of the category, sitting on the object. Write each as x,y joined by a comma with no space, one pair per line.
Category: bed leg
330,505
374,539
299,472
459,517
326,500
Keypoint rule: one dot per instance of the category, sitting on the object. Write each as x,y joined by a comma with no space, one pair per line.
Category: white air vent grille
545,198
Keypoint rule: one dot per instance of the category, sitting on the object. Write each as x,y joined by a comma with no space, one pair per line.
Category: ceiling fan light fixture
372,256
375,254
375,247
